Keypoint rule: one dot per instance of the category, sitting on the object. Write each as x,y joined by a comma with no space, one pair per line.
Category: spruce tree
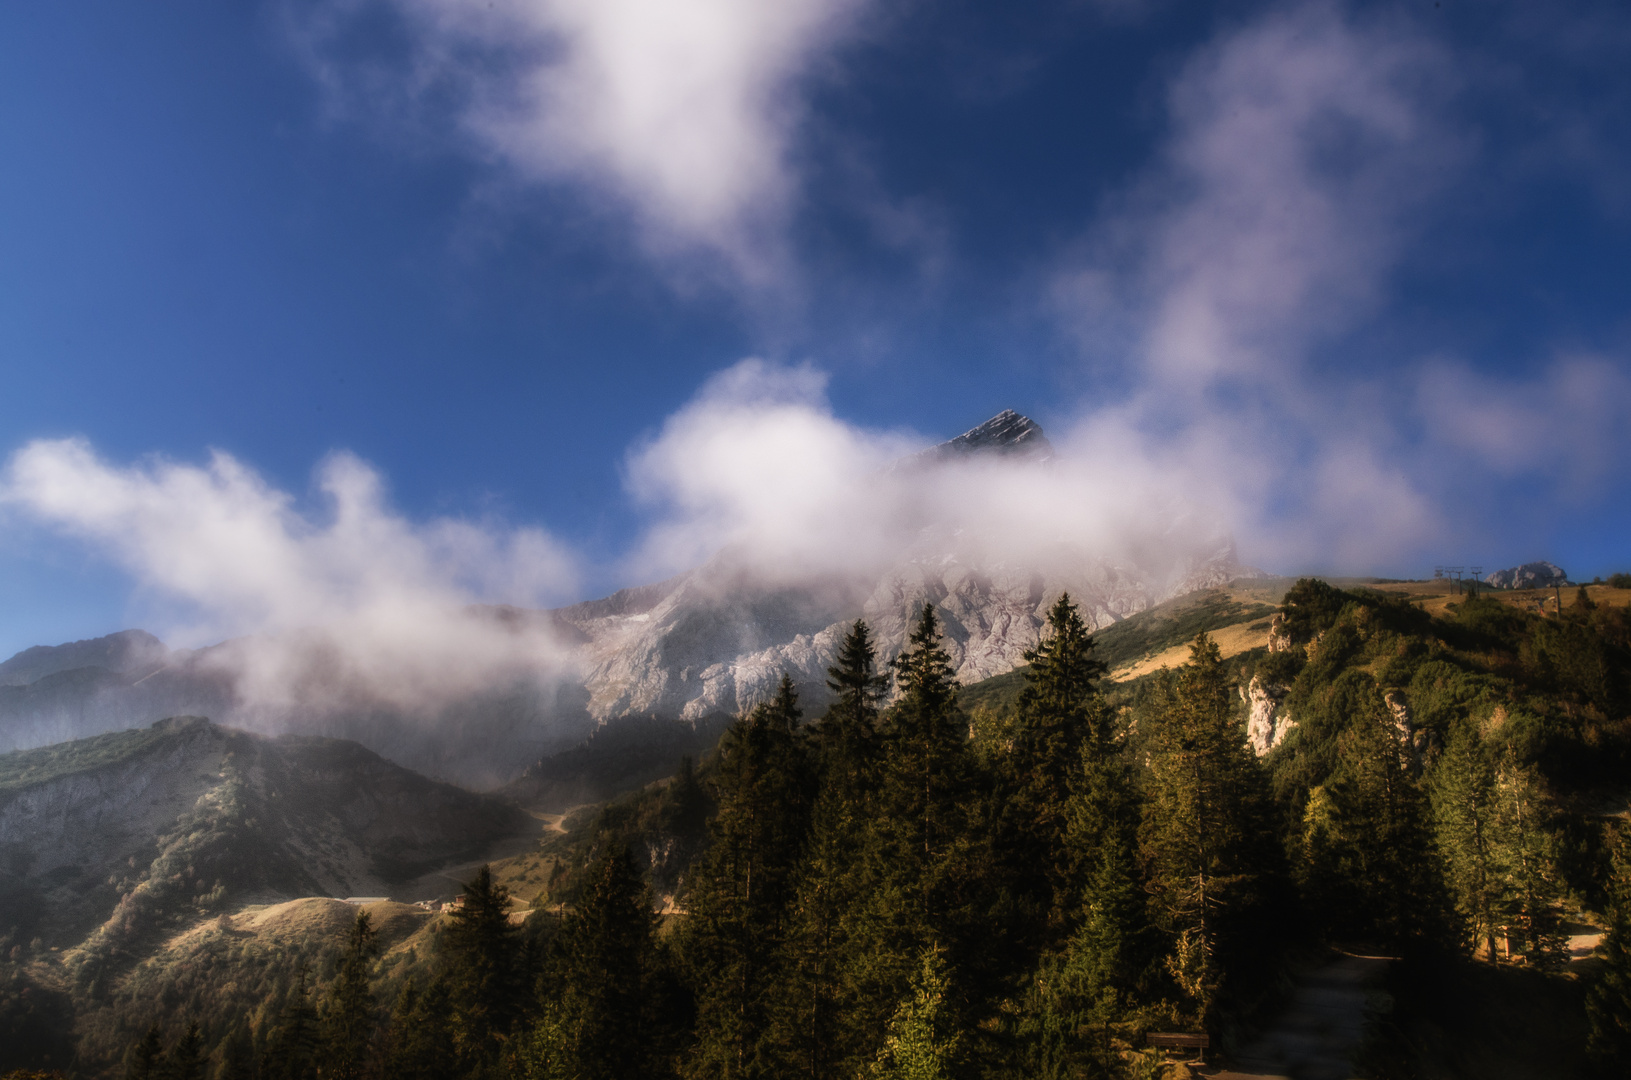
484,970
347,1029
1059,715
742,890
186,1057
420,1041
813,1022
146,1060
1464,813
1202,835
1534,891
292,1050
1608,1001
924,1040
594,1018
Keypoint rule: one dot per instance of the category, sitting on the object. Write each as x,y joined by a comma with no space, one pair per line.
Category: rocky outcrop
1267,724
1535,575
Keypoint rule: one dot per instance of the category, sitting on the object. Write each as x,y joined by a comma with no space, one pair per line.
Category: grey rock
1535,575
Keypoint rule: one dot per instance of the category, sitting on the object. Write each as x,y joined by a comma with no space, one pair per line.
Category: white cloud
683,111
356,605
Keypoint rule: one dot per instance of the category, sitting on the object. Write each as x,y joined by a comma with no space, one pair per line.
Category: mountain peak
1008,434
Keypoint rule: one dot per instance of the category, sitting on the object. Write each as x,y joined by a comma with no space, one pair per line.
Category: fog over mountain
990,527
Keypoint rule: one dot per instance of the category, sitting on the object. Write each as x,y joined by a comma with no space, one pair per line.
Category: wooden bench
1179,1040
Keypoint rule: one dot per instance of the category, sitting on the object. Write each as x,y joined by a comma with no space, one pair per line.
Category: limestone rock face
1535,575
1266,725
714,641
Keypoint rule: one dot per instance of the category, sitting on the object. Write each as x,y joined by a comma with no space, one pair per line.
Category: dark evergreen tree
1059,713
742,891
484,969
420,1042
812,1024
292,1050
595,1017
146,1059
1608,1001
1203,831
1463,794
186,1057
347,1029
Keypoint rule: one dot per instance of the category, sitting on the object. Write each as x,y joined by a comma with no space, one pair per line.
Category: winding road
1318,1035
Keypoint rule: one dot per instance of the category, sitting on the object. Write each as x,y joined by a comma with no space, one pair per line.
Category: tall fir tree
1059,714
1201,840
742,891
925,1034
146,1059
292,1050
1462,785
1608,1001
186,1058
595,1016
347,1026
484,971
1533,908
419,1042
813,1022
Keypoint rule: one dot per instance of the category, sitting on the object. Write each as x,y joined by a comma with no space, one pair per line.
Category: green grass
24,768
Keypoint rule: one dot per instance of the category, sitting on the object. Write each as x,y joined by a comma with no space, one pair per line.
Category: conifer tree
186,1057
484,968
924,1040
1059,715
742,890
347,1029
1608,1002
1532,910
146,1060
1463,793
594,1023
1201,838
293,1047
813,1024
420,1043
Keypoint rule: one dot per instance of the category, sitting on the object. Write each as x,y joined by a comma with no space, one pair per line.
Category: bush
1619,581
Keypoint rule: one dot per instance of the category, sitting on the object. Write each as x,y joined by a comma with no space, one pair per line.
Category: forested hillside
897,888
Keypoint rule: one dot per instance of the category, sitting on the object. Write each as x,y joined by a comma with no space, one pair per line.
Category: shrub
1619,581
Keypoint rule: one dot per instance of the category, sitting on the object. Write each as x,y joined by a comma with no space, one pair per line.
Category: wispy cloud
681,115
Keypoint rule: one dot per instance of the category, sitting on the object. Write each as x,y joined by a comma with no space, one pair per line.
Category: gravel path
1316,1038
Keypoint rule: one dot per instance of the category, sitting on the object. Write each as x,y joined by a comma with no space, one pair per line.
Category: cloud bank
681,113
355,606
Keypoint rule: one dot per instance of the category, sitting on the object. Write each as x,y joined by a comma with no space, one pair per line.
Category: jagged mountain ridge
714,641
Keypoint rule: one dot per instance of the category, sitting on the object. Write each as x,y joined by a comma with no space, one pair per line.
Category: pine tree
738,906
483,970
293,1047
186,1058
347,1029
146,1059
1059,713
420,1039
814,1020
595,1019
1463,794
925,1034
1608,1001
1201,838
1532,909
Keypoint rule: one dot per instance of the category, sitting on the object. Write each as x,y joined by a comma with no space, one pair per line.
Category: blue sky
1357,275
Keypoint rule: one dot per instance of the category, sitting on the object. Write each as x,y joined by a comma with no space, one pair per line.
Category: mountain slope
107,841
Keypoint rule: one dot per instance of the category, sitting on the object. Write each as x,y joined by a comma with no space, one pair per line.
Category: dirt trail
1317,1037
